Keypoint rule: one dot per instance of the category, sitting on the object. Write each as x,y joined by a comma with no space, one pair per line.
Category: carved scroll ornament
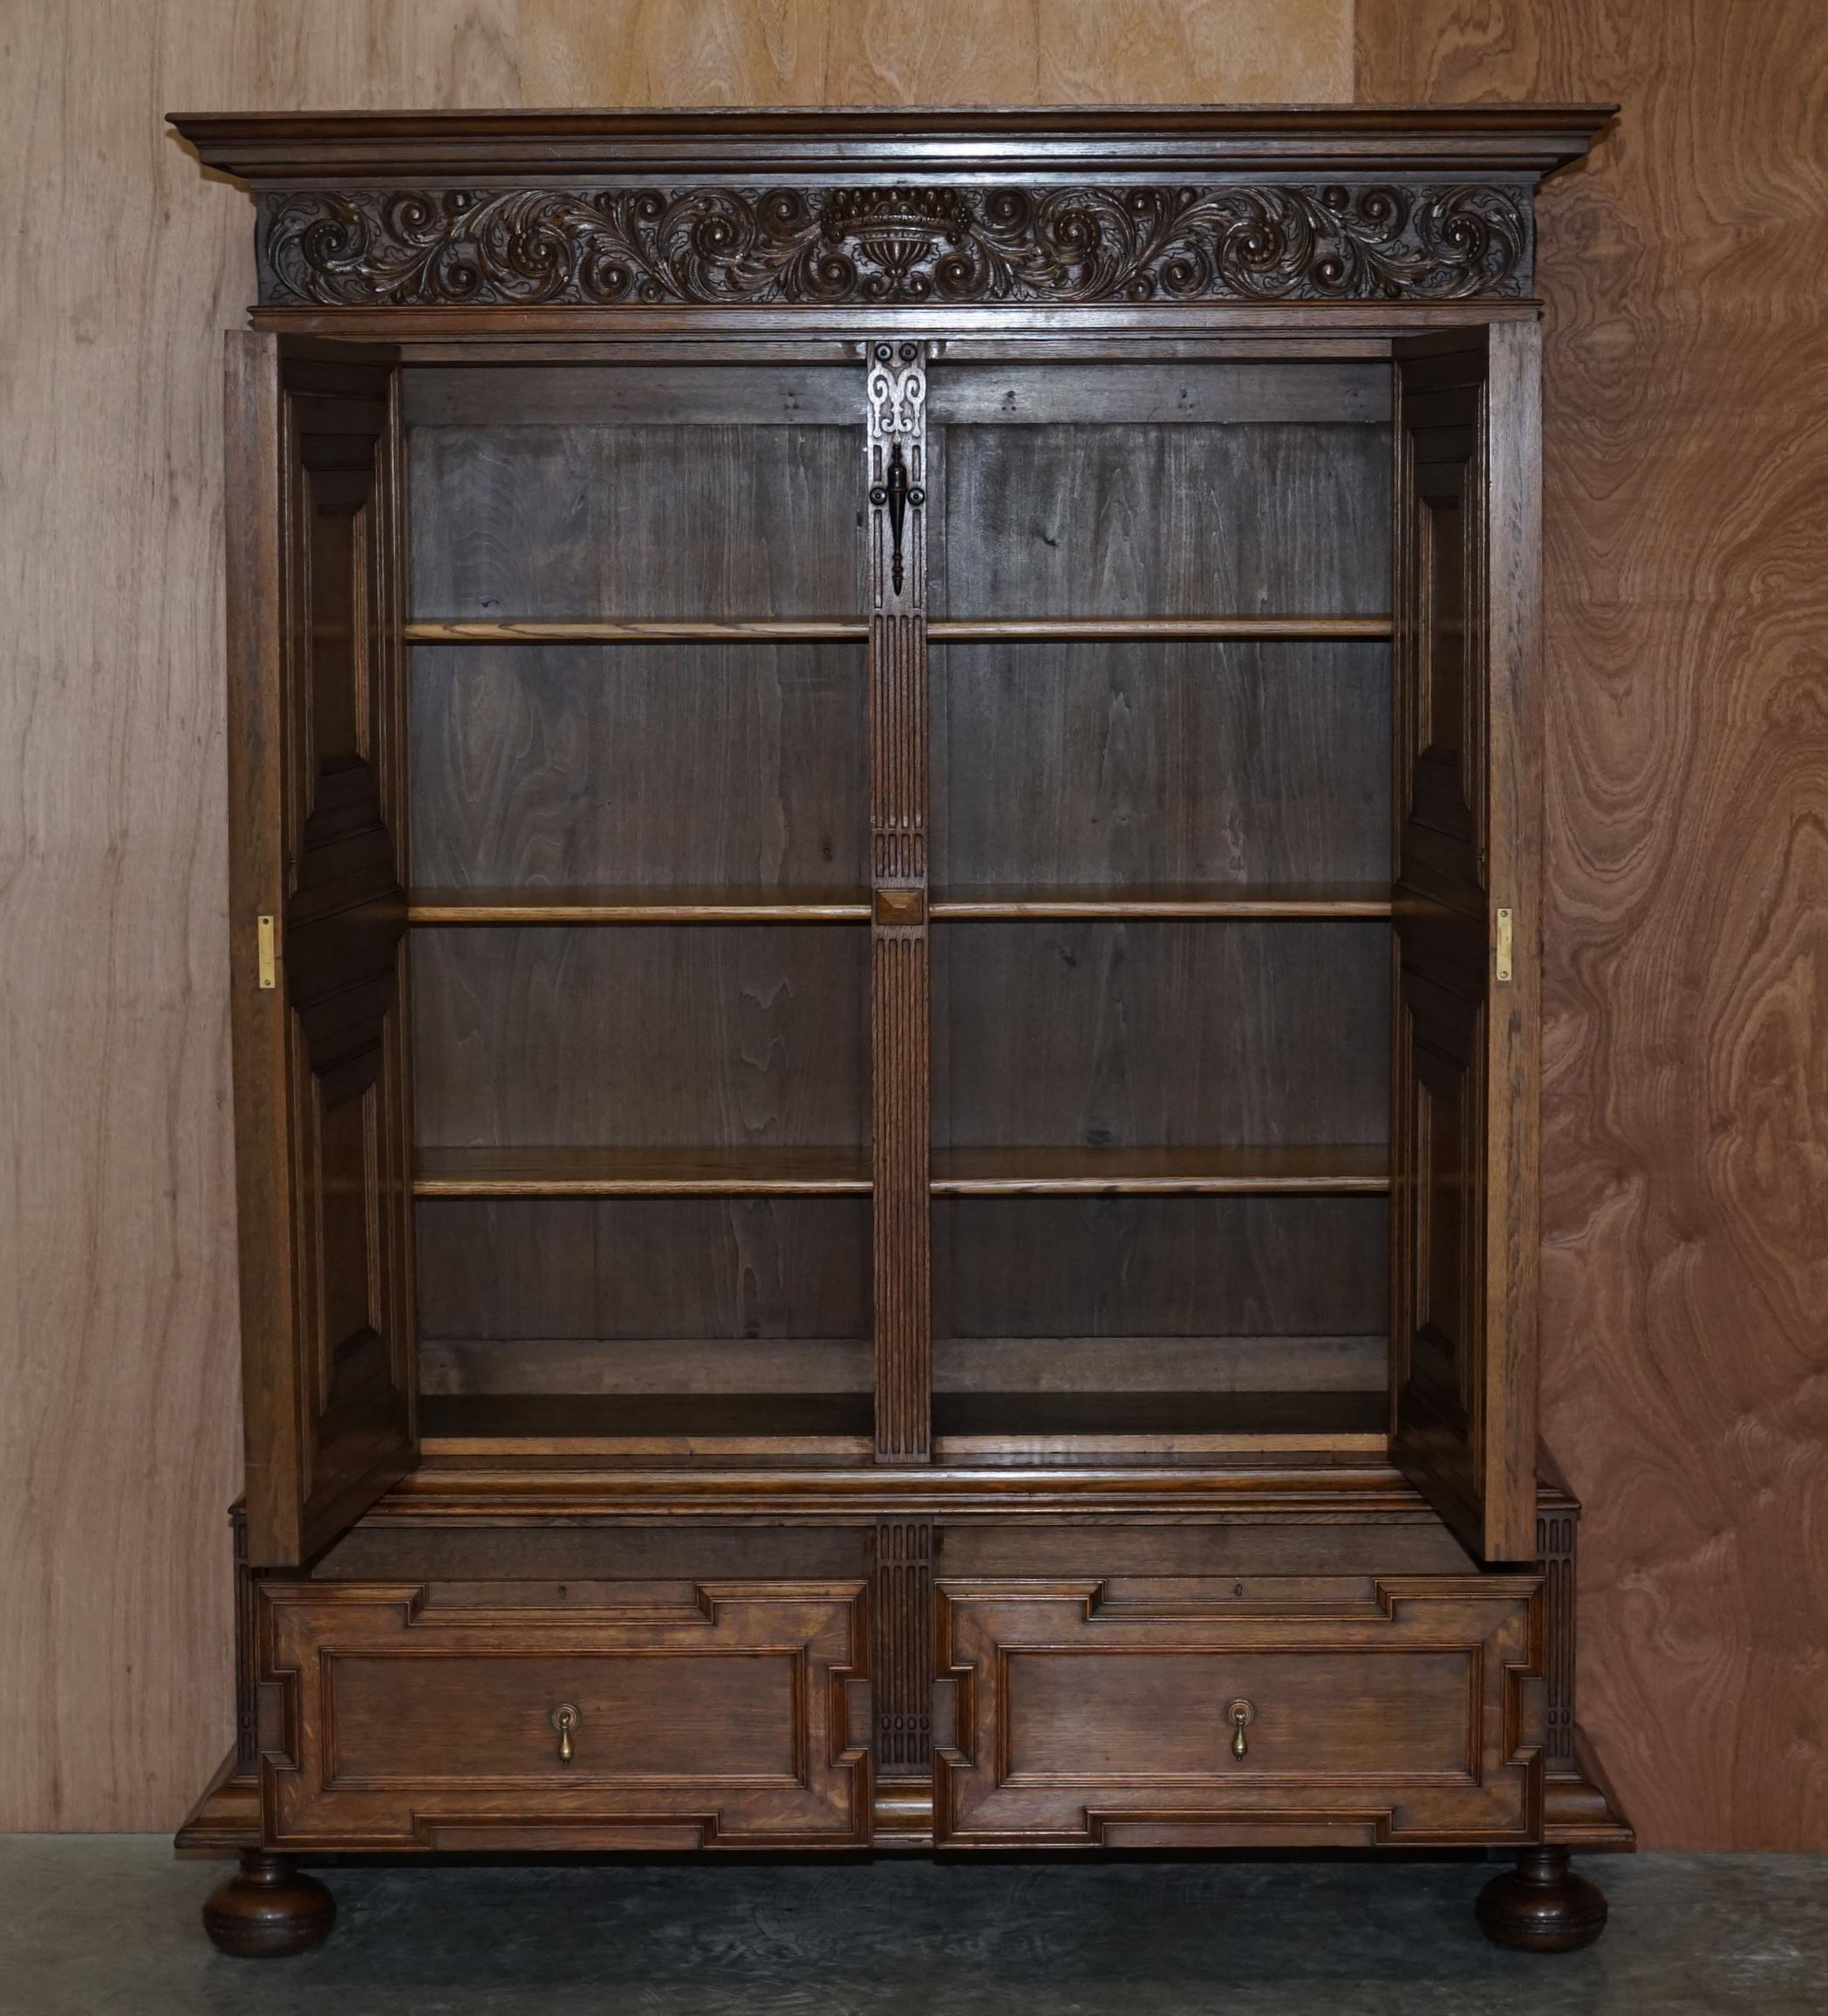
518,247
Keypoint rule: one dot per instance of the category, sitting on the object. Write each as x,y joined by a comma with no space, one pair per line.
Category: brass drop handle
1243,1714
565,1717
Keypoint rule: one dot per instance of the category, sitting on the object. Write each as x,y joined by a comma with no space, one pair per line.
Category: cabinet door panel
316,753
1464,1074
1404,1709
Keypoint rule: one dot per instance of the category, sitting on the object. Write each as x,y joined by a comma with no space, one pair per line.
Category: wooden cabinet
885,894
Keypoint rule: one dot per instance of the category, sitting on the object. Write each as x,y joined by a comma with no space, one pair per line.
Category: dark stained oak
544,906
1173,1033
691,1724
1215,1292
1184,1362
941,1383
724,1426
1403,1714
756,1270
1023,1428
1156,390
1160,1171
699,1036
985,630
1465,1093
1543,1906
1158,629
522,1364
269,1911
716,765
316,739
1152,521
640,1172
638,522
1243,901
1126,760
760,630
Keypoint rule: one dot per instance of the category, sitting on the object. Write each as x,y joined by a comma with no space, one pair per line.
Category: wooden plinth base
269,1911
1542,1907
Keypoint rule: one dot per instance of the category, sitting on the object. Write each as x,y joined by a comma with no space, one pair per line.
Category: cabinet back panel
1007,1365
638,766
1160,1267
613,1268
1159,1295
1152,520
507,395
1160,1034
575,522
699,1037
1103,763
686,1367
1183,390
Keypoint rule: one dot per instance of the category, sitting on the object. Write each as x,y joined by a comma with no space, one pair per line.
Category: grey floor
99,1923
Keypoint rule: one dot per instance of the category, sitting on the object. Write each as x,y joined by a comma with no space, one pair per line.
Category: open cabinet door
1464,1084
316,749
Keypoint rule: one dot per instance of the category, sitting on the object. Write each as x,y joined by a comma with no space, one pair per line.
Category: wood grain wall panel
943,52
119,1440
1686,1095
120,1437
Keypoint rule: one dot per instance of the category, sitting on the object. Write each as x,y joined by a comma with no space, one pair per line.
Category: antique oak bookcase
885,904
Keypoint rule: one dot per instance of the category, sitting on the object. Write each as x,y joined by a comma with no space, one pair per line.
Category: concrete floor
94,1925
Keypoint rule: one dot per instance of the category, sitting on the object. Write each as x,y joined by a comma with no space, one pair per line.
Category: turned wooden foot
269,1911
1542,1907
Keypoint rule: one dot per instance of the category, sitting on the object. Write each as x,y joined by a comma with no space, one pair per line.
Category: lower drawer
1195,1711
662,1716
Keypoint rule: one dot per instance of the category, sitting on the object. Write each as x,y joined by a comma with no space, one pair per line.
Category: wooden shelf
769,630
845,1171
677,1427
1362,1170
641,1172
940,630
1308,901
1155,629
1072,1427
450,907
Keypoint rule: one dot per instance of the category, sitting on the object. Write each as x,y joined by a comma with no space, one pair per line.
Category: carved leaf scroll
519,247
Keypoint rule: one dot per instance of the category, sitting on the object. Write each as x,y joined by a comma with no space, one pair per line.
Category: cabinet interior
638,829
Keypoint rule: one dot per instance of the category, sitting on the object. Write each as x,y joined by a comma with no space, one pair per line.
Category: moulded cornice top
332,148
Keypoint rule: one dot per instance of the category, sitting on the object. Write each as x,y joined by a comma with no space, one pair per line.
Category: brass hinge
1501,962
265,931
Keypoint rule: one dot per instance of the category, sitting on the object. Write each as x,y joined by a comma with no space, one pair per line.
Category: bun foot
269,1911
1543,1907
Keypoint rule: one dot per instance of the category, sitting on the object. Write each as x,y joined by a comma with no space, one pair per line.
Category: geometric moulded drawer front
661,1715
1367,1710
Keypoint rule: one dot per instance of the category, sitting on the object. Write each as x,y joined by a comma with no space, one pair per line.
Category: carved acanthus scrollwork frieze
1320,241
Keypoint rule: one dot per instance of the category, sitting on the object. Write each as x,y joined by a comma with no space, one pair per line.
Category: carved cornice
1319,240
